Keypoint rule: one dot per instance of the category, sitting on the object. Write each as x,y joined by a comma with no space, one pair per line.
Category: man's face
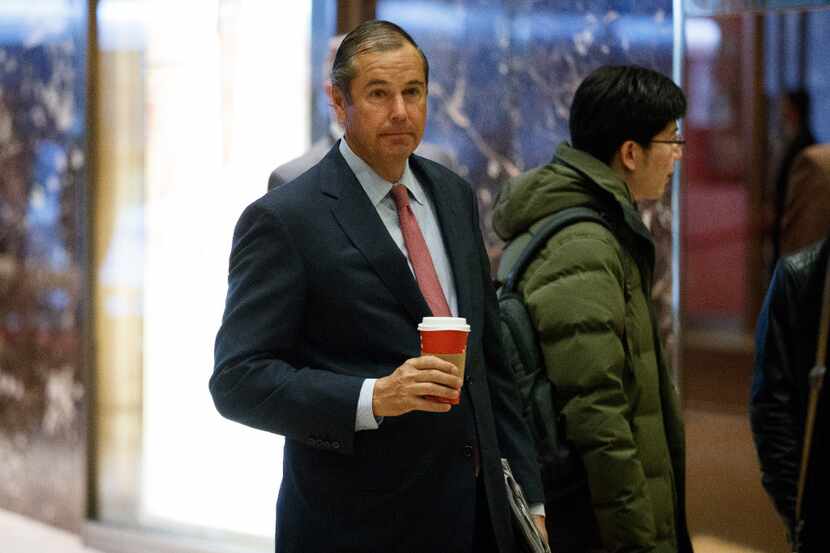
385,120
649,180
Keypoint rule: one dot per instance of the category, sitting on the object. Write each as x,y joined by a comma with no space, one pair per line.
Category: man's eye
414,92
377,93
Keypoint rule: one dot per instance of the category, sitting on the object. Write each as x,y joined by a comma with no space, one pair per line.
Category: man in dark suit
328,282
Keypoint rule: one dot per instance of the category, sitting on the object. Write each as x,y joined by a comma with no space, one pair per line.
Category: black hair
370,36
623,102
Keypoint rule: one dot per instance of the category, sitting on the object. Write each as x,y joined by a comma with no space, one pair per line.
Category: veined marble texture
502,77
42,174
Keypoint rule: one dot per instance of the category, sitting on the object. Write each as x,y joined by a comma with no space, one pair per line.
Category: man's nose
398,108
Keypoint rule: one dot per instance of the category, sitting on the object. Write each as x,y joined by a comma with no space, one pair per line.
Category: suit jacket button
468,451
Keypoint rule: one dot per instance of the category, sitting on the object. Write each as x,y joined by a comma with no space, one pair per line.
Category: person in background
786,338
330,275
795,112
589,295
805,216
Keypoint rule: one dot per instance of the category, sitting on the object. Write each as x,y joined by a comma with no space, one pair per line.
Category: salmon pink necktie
419,255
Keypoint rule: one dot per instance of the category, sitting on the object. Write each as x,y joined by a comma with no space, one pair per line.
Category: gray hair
370,36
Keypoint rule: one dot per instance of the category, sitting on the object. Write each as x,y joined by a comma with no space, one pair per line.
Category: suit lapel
454,236
360,221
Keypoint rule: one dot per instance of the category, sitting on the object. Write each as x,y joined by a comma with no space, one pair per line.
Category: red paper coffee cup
446,338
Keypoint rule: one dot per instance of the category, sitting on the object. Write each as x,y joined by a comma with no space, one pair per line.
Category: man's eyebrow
381,82
375,82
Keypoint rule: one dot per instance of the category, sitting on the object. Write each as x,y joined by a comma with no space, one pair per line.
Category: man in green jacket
589,295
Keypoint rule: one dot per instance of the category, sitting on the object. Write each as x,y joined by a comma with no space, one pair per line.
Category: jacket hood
572,178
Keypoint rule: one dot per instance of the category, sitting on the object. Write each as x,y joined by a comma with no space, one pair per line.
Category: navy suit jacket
320,298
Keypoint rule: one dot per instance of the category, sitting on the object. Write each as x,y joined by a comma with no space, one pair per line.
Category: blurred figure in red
805,213
795,111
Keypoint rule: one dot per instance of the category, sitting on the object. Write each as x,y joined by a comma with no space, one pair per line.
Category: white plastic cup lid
444,323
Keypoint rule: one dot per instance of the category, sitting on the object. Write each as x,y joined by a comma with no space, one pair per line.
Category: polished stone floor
728,511
19,534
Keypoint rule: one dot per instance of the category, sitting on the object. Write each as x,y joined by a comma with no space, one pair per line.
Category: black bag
563,474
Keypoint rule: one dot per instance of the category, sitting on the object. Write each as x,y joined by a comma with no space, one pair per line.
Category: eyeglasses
678,140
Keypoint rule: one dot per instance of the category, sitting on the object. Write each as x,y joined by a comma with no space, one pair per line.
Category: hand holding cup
408,387
445,338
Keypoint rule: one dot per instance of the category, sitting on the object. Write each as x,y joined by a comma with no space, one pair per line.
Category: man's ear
629,155
337,101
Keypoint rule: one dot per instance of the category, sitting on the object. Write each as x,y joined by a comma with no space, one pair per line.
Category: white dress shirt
378,190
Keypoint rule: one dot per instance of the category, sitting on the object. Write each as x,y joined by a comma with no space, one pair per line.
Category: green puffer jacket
588,294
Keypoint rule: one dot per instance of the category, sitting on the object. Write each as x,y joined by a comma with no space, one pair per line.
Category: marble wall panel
502,76
42,175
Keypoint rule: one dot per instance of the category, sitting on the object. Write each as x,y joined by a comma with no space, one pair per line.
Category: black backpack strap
550,226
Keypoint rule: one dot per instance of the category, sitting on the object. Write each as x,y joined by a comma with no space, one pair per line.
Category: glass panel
716,200
43,173
798,93
190,130
730,206
737,69
722,7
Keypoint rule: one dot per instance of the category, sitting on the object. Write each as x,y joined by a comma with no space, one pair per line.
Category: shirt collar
375,186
